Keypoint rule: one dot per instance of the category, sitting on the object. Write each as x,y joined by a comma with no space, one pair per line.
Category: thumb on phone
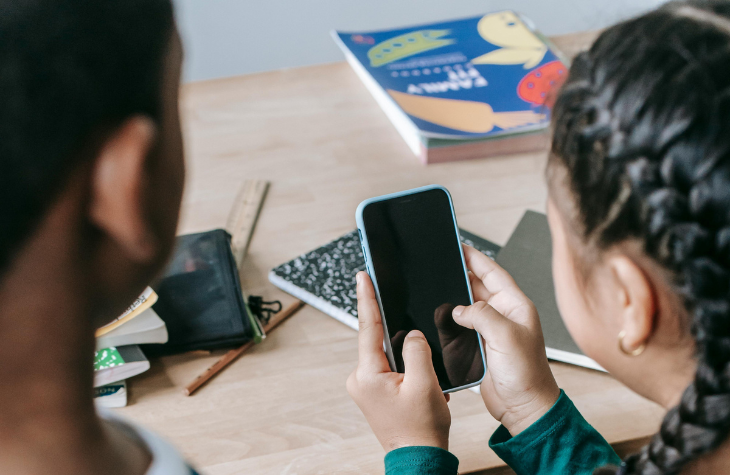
483,318
417,358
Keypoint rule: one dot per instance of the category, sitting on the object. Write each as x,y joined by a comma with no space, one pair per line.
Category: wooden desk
325,145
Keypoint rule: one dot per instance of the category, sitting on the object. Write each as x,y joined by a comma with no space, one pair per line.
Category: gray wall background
230,37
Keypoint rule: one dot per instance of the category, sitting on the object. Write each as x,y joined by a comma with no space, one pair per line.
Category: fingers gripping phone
414,258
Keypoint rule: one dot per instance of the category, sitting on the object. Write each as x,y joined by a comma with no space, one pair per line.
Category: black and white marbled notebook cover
325,277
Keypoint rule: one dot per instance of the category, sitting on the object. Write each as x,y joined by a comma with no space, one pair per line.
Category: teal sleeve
560,442
420,460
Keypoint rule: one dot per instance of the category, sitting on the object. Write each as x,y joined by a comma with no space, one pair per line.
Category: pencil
231,356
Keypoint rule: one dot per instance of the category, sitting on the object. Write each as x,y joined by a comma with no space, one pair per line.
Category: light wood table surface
325,145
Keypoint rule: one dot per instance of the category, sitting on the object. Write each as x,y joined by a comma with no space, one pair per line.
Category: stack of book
118,356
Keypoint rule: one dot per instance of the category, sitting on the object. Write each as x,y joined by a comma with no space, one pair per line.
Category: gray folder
527,256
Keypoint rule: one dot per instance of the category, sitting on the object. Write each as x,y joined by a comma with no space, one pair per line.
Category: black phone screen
416,255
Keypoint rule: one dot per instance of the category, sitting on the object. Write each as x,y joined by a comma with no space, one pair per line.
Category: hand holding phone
403,409
414,257
519,386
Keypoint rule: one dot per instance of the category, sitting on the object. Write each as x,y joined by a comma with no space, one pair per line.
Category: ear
637,301
117,202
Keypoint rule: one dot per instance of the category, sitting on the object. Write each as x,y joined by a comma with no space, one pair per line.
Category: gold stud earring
635,352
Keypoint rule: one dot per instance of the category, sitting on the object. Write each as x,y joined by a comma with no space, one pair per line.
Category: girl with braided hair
639,211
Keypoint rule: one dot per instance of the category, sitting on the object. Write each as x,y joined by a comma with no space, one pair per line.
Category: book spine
522,143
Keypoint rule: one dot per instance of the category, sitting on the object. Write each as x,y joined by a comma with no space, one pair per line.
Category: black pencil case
200,297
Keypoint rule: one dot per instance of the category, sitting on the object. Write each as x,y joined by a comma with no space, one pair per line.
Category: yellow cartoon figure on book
468,116
518,44
406,45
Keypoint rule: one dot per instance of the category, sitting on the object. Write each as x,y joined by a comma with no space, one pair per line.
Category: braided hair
642,127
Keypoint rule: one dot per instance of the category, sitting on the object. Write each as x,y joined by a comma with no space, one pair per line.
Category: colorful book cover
107,358
118,363
473,78
141,303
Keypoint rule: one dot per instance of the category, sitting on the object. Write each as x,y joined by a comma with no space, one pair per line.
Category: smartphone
415,260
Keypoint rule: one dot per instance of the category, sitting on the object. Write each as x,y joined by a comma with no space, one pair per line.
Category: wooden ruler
243,216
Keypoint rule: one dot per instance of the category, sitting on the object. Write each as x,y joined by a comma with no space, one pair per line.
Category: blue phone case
369,266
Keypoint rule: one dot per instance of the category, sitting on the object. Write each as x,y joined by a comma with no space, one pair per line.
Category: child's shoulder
166,460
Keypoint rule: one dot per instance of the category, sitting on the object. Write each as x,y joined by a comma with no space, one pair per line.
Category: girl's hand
402,409
519,386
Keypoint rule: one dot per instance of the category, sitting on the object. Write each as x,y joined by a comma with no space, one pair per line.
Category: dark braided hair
642,127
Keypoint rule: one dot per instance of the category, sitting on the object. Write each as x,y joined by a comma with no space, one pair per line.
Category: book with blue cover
462,87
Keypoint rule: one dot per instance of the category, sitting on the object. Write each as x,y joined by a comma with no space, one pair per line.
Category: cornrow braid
642,128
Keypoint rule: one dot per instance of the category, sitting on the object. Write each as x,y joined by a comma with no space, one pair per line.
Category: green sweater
560,442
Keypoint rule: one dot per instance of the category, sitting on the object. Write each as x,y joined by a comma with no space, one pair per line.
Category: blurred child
91,178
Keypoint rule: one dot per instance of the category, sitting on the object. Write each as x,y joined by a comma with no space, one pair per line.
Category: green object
420,461
107,358
258,332
560,442
407,45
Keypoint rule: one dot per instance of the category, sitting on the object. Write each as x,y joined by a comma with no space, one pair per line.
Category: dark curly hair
642,127
70,71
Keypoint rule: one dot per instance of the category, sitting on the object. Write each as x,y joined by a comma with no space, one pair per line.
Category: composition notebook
461,89
325,277
527,256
